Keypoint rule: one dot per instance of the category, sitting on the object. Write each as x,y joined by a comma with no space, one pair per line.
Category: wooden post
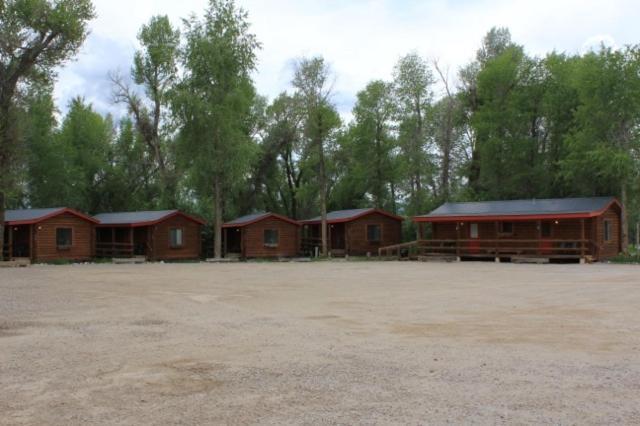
226,240
458,239
241,242
32,243
133,252
582,238
495,248
10,244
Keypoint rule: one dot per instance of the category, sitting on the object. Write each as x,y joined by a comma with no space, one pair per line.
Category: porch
499,249
122,242
17,242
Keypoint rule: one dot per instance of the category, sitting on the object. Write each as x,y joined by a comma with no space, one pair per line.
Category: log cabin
568,228
261,235
154,235
47,235
355,232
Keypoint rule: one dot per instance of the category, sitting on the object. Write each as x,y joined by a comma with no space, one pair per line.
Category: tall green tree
213,103
36,36
313,83
413,82
155,69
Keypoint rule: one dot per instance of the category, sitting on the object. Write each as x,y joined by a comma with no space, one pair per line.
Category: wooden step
438,258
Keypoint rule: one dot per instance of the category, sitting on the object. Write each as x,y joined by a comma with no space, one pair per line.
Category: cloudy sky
361,39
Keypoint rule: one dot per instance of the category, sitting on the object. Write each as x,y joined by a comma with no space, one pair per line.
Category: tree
413,80
213,103
155,69
372,143
312,80
36,36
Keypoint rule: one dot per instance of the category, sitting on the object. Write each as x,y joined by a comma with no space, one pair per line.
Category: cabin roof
140,218
349,215
33,216
529,209
255,217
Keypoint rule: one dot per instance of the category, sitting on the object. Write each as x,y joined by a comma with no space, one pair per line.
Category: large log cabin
261,235
154,235
569,228
353,232
48,235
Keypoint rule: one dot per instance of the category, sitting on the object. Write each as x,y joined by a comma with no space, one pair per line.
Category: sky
360,39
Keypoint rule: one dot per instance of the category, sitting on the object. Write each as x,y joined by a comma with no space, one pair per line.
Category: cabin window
545,229
473,230
373,233
607,231
176,237
506,228
271,237
64,238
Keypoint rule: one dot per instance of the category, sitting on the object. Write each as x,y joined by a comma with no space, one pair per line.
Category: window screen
473,230
175,237
373,233
271,237
545,229
607,230
64,238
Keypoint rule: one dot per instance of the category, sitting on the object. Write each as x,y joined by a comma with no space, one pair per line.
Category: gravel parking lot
322,342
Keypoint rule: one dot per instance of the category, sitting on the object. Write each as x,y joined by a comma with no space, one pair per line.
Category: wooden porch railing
114,250
492,248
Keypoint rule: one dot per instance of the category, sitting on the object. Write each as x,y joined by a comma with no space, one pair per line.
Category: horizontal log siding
613,246
44,239
288,239
356,234
159,240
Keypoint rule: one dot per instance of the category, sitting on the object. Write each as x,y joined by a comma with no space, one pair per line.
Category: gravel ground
320,343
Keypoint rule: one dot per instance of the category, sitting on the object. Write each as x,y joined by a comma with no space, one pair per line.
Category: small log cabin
155,235
569,228
45,235
261,235
354,232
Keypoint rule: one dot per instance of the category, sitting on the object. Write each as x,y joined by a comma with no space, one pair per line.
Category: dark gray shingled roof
341,215
133,217
24,215
523,207
247,219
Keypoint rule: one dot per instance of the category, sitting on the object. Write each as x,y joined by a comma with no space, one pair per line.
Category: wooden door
474,238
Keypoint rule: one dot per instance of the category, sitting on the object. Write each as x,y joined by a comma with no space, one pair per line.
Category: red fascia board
352,218
51,215
261,218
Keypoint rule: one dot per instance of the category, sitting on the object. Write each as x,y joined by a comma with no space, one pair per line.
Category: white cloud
361,39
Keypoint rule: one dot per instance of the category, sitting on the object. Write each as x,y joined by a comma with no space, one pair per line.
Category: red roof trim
151,222
261,218
358,216
516,217
51,215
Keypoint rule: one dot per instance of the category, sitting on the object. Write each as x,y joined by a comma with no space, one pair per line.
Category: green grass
632,257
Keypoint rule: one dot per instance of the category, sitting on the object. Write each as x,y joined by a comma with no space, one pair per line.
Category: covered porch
17,241
122,241
502,240
336,238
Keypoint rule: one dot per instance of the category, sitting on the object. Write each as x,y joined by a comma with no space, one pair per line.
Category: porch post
133,252
242,242
420,231
539,228
458,239
32,243
226,238
582,236
10,244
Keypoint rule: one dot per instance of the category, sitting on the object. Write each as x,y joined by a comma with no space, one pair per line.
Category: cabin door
337,236
545,246
474,238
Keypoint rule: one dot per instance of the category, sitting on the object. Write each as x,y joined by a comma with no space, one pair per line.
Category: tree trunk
624,223
217,235
323,189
